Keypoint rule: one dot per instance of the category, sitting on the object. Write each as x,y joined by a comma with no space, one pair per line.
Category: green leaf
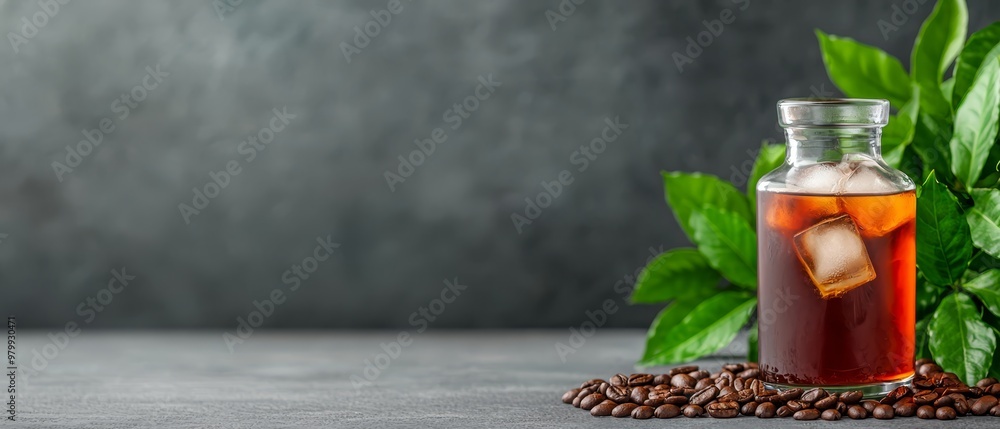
940,39
770,157
729,243
976,125
922,345
944,245
710,326
986,286
947,87
896,136
984,44
673,274
688,193
753,351
930,142
984,220
960,341
864,71
928,297
659,330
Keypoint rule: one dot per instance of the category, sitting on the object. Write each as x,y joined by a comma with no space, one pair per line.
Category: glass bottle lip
833,113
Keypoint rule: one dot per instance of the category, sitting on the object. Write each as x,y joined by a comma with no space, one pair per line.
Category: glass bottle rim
833,113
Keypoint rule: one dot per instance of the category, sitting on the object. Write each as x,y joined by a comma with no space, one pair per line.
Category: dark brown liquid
860,336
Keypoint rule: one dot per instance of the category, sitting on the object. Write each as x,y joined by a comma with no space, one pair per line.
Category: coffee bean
922,361
619,380
699,375
603,387
830,415
691,410
945,413
683,370
883,412
603,409
640,379
925,412
739,384
814,394
960,389
928,368
983,405
727,375
704,396
869,405
962,406
841,408
654,402
784,411
723,410
722,382
568,397
944,401
986,382
661,379
643,412
895,395
576,401
797,405
703,383
995,411
765,410
857,412
667,411
749,373
687,391
749,408
905,409
994,389
807,414
769,398
683,380
728,390
756,386
639,394
925,397
624,410
733,367
591,400
922,384
590,383
677,400
585,392
851,397
618,393
826,403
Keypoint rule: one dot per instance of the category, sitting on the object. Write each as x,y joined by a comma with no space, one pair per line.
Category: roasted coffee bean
995,411
603,409
643,412
704,396
700,374
691,410
925,397
851,397
944,401
812,395
895,395
589,383
619,380
925,412
739,384
756,386
727,375
640,379
869,405
784,411
857,412
623,410
688,391
749,373
591,400
576,401
962,406
654,402
667,411
960,389
677,400
945,413
618,393
683,380
928,368
603,388
639,394
994,389
727,390
922,361
723,410
831,415
905,409
983,405
736,396
703,383
769,398
683,370
722,382
883,412
765,410
986,382
568,397
826,403
585,392
733,367
807,414
841,408
661,379
923,384
749,408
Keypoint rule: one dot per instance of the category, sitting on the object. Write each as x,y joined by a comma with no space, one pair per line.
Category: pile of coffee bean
738,390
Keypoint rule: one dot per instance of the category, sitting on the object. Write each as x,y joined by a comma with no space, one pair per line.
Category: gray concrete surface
303,380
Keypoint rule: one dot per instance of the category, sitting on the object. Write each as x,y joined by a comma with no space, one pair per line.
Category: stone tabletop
283,379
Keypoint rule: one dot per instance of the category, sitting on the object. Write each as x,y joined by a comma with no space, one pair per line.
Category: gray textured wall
324,173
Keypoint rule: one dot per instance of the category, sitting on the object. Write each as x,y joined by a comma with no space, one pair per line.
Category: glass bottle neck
832,144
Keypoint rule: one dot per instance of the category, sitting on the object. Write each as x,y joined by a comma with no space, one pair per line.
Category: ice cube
792,213
822,178
865,196
834,256
867,177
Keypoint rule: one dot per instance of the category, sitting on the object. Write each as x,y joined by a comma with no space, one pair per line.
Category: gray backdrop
224,69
